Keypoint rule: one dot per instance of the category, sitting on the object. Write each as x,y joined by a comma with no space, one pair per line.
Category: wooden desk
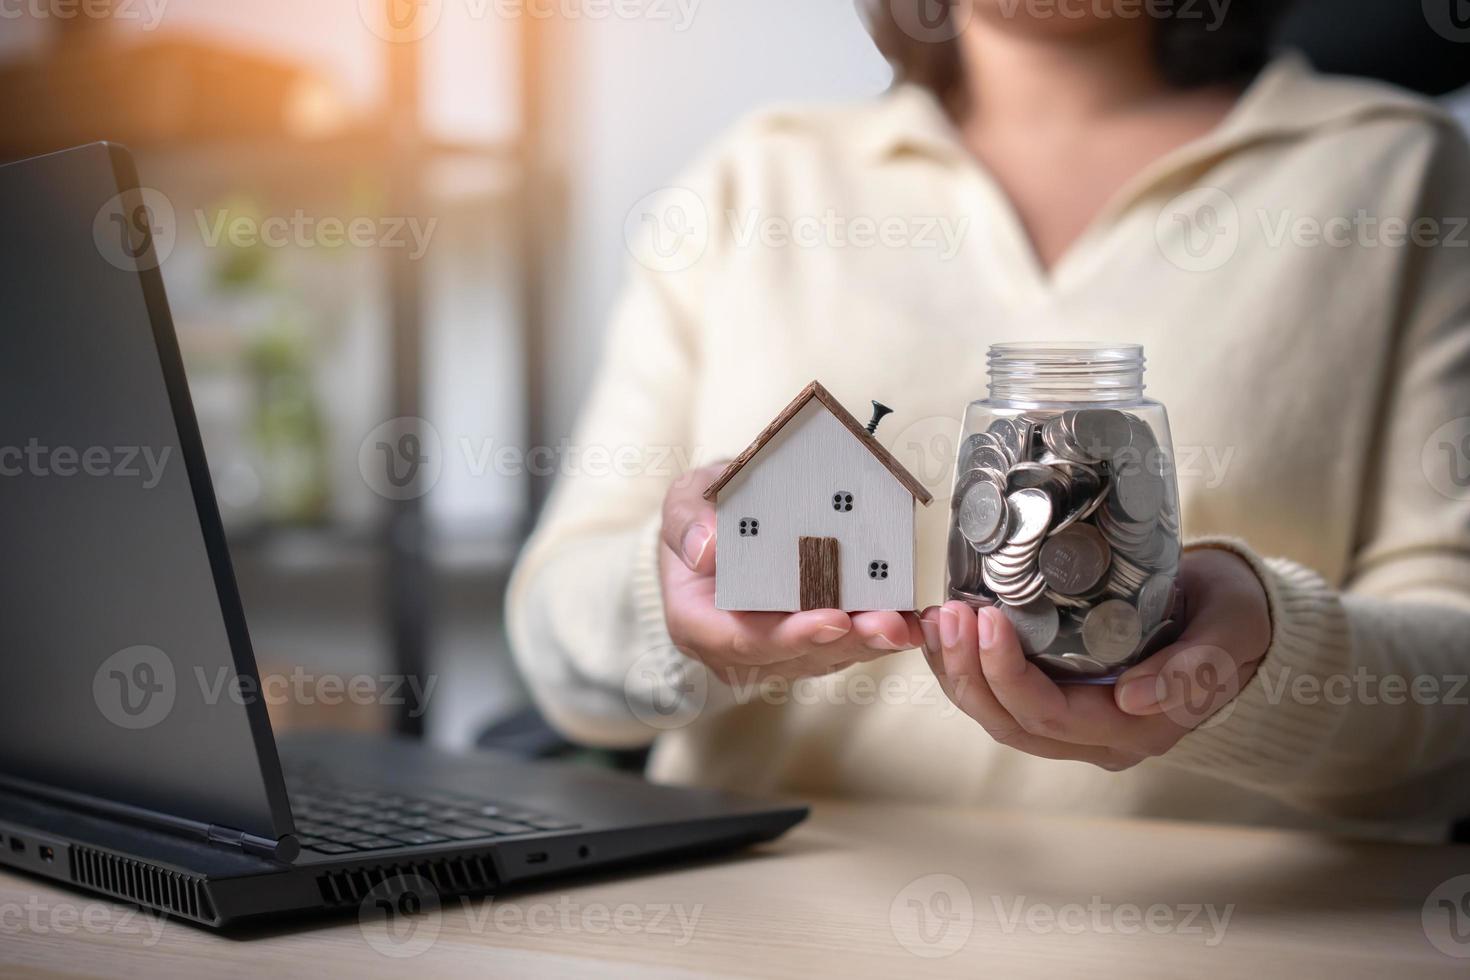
1002,895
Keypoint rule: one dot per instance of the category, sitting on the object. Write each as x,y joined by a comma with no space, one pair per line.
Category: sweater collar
1288,98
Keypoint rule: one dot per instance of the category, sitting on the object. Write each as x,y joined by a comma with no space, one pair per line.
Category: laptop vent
454,876
142,883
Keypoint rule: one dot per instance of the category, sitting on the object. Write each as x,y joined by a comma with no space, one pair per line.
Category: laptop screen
121,637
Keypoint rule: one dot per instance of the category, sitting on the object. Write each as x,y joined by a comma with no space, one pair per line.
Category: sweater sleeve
585,605
1361,707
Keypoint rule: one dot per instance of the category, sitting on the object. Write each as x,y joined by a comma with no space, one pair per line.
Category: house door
817,559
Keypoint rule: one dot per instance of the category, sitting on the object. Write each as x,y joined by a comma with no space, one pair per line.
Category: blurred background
487,152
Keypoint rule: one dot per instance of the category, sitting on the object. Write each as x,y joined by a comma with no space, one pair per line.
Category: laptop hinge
285,850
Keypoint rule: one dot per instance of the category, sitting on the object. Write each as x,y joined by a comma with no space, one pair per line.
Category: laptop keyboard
333,818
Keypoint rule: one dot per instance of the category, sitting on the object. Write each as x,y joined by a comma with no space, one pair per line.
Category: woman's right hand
746,647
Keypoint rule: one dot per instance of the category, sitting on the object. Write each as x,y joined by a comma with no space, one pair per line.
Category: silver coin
1075,561
1010,568
1036,623
1075,512
991,458
981,513
1158,638
1064,601
1011,557
1032,590
1159,550
1101,433
1009,433
972,444
1089,666
964,563
975,600
1017,592
1032,512
1164,634
1025,476
963,481
1139,494
1112,631
1002,581
1057,664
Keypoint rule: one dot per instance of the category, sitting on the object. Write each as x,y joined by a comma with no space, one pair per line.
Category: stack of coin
1069,521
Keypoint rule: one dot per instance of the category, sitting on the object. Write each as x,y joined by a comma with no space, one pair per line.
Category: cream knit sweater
1311,342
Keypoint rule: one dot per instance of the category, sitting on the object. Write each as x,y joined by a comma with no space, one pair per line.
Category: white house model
815,514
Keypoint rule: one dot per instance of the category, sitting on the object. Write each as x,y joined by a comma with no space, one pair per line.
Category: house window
842,501
878,569
749,527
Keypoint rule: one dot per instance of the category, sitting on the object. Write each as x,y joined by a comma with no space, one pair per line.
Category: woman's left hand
978,660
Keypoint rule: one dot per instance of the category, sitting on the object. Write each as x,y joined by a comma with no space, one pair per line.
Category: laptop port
47,854
17,845
539,857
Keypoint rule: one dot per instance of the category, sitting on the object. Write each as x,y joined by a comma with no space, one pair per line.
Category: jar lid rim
1059,346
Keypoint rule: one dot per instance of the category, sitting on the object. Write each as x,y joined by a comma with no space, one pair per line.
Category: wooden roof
859,431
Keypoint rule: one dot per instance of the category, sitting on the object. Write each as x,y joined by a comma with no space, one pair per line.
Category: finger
871,638
915,634
886,632
963,678
771,638
964,681
715,636
929,634
1027,694
803,632
804,668
689,521
1206,667
1074,713
1227,604
1188,683
1078,714
1185,683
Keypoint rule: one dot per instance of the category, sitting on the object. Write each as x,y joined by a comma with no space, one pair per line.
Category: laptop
134,761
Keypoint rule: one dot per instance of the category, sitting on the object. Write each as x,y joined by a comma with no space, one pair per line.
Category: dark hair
1191,51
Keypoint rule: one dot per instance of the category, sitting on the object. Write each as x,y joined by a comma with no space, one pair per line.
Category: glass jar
1065,511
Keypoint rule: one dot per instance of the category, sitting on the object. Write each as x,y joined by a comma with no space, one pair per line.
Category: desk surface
859,891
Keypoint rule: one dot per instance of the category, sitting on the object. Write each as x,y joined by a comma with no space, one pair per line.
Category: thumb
1189,682
689,520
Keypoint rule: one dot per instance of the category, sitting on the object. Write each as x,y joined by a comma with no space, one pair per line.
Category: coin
964,563
1076,560
974,600
1036,623
1011,434
1155,600
1068,520
991,458
1101,433
1059,663
972,443
1083,664
1112,631
1032,516
1139,494
981,513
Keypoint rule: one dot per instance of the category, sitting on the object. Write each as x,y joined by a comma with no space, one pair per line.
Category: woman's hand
979,662
744,648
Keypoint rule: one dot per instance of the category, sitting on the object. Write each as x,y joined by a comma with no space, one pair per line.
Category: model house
815,514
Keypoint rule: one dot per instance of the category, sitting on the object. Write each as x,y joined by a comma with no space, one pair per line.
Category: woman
1103,177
